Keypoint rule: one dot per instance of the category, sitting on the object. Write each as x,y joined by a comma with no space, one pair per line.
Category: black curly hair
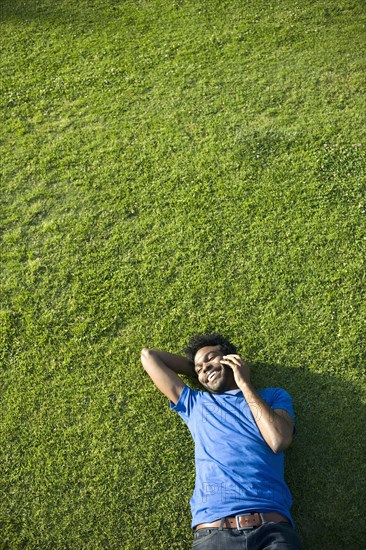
205,339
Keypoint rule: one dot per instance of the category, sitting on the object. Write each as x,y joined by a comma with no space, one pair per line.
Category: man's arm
163,369
275,425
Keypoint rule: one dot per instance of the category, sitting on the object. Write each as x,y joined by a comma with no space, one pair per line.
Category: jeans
269,536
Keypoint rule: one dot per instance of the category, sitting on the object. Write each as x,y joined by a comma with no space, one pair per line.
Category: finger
233,357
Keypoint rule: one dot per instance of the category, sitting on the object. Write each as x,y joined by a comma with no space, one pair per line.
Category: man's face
212,375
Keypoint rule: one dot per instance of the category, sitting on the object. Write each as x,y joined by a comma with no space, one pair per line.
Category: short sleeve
186,403
280,399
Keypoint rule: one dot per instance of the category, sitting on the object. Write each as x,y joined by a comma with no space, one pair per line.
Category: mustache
224,368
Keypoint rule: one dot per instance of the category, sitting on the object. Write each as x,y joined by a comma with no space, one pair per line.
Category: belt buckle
237,523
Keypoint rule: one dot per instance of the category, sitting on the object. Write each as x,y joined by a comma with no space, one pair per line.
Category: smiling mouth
212,376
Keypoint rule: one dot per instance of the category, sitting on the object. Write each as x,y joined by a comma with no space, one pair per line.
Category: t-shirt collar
233,392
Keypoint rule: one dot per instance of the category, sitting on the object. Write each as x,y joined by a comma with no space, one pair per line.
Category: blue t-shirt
236,470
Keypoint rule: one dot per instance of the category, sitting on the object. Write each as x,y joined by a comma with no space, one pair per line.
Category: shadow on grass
62,12
324,464
324,467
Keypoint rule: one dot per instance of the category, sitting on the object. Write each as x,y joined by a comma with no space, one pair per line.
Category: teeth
211,376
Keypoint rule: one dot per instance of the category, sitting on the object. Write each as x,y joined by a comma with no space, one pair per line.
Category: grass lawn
170,167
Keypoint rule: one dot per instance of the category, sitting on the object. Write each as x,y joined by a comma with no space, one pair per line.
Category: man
240,498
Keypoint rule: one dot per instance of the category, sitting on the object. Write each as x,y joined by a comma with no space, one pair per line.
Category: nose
207,365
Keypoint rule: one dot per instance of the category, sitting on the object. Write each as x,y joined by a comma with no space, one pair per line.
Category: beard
223,381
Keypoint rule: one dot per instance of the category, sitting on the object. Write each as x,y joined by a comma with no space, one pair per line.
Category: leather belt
244,521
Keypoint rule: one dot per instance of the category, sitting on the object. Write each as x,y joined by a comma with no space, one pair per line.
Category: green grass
170,167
